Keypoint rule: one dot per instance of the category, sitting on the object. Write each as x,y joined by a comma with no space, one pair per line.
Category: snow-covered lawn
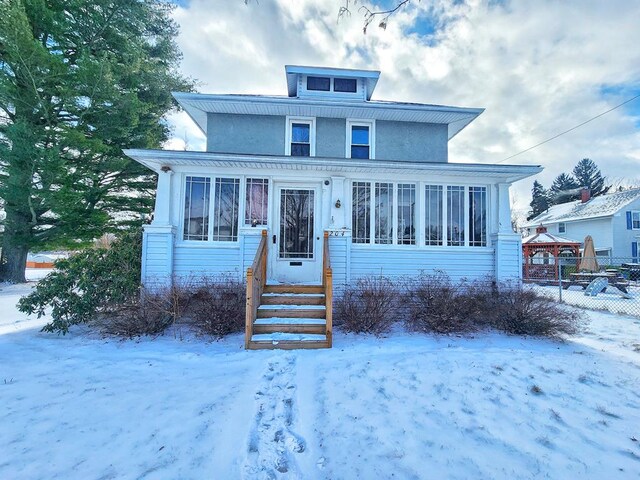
405,406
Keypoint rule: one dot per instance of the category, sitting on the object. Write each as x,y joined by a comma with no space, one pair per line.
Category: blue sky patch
618,93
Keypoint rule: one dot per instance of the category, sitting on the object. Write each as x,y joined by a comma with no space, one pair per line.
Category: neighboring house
373,175
612,220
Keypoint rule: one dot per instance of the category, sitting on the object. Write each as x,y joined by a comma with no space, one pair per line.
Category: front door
296,256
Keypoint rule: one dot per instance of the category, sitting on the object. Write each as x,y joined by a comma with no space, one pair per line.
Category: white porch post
158,238
338,217
507,243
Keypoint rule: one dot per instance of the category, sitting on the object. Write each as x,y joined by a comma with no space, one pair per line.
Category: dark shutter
634,251
629,224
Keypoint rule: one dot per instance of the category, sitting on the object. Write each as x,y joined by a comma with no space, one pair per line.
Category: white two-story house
374,176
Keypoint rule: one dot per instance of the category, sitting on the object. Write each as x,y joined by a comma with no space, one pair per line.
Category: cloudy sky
538,67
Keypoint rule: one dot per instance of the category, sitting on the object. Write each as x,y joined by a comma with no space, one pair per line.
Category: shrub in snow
438,305
217,307
524,312
369,306
87,283
151,314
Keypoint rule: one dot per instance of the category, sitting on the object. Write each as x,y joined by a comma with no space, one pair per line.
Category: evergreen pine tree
79,81
587,174
564,189
539,201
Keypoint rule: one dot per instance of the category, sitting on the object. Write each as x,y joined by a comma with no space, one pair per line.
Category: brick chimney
585,194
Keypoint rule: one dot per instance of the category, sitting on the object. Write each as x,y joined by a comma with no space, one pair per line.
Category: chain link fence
599,283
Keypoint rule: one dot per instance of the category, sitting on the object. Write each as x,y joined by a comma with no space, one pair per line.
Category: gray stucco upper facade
266,135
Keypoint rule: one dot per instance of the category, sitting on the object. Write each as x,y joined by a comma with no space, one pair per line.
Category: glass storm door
296,239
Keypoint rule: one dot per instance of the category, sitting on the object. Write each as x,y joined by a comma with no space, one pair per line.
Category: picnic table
583,279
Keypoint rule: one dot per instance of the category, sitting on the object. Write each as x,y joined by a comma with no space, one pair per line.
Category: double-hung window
301,133
360,139
635,220
562,227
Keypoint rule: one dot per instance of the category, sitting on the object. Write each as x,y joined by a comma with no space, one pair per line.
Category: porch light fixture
165,168
338,204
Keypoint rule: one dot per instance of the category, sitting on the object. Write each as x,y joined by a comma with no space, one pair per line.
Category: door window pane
477,216
225,215
257,200
406,214
300,140
361,213
196,208
296,223
433,215
455,215
383,213
360,141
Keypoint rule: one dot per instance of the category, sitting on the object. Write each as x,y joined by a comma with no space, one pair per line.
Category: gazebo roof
543,237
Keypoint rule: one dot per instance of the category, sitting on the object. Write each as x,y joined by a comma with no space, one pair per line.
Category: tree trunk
13,261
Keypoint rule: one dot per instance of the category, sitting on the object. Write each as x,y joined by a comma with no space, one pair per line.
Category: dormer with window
331,83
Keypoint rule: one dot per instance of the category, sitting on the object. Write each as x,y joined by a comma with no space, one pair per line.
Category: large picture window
433,215
361,212
477,216
225,215
256,201
196,208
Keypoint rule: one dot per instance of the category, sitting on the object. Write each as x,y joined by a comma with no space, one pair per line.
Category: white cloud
537,67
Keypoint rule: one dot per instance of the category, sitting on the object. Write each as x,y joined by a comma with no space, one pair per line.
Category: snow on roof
546,238
602,206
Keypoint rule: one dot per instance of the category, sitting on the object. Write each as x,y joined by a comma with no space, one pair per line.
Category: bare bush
150,315
367,307
217,307
438,305
524,312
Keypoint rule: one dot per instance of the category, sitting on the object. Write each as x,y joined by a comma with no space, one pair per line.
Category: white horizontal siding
156,258
249,249
338,251
200,261
395,262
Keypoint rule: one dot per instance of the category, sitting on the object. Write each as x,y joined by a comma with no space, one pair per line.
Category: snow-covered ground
404,406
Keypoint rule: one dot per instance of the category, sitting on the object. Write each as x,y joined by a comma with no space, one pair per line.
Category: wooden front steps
290,317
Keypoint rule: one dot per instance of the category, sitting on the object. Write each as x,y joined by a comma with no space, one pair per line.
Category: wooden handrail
256,280
327,283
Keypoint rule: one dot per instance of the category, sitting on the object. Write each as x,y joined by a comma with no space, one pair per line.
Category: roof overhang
370,77
198,105
156,159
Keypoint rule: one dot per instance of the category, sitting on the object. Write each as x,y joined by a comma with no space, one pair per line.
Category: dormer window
346,85
322,84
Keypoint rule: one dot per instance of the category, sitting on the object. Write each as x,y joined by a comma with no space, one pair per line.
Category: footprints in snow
273,444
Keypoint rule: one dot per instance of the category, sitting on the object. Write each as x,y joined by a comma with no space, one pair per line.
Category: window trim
635,213
372,136
311,121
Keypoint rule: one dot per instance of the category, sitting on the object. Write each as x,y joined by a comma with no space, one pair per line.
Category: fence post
559,264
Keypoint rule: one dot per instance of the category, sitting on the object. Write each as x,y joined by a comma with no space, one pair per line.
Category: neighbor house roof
597,207
198,105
